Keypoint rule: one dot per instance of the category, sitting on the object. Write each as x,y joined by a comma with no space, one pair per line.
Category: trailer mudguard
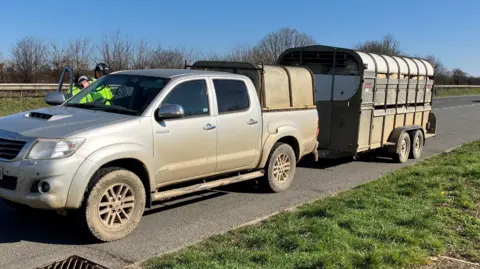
397,132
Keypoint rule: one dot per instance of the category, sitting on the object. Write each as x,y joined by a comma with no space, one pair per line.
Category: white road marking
445,108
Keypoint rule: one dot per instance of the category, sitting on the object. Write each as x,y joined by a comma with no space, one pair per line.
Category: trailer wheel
280,169
114,205
402,148
417,144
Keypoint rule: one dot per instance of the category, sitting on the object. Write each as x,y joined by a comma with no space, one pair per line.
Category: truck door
239,124
186,147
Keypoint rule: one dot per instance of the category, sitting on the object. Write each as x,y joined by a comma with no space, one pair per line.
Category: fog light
43,187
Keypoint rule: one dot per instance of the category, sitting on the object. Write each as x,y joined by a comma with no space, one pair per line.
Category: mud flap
432,124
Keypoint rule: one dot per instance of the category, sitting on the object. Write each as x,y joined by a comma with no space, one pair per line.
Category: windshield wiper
87,105
118,109
110,108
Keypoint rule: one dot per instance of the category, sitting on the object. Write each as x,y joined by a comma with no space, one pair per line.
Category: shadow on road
49,228
42,227
183,201
370,157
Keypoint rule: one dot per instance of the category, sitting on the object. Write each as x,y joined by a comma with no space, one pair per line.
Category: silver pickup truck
105,161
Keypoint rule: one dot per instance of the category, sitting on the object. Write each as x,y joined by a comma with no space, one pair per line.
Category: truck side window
232,95
192,96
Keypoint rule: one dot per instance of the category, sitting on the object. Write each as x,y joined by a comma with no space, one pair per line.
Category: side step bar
165,195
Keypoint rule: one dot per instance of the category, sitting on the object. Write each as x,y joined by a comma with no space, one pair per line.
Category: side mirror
170,112
54,98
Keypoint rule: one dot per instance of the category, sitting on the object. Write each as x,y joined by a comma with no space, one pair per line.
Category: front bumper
21,179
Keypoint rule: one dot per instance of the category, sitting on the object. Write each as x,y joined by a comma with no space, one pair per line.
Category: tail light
318,131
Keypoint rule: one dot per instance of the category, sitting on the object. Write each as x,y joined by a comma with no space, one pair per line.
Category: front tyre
280,169
114,205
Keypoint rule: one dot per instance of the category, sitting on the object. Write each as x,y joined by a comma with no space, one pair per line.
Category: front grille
9,149
73,262
8,182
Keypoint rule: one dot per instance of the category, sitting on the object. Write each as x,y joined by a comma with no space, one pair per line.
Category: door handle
209,127
252,122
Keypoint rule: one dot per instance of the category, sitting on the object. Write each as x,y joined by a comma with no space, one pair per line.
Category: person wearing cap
79,86
84,81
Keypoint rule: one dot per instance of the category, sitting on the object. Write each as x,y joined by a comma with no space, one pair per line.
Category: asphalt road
28,242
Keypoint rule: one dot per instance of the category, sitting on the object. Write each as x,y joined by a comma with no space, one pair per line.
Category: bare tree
79,55
142,54
388,45
2,68
76,55
273,44
459,76
116,51
438,66
57,58
172,58
29,59
241,53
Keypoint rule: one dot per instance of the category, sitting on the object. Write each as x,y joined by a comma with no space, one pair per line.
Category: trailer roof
376,62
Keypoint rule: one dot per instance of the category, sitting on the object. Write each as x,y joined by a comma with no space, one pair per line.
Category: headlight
54,148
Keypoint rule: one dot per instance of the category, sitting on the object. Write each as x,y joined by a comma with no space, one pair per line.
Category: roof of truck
171,73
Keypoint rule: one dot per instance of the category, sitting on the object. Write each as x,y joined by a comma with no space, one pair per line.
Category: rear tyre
402,148
114,204
417,144
280,170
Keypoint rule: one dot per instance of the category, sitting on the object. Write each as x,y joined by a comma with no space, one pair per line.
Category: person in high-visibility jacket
81,84
103,93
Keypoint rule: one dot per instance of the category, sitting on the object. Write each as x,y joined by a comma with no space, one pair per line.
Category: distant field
14,105
455,92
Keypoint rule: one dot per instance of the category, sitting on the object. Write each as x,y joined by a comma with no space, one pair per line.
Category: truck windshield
119,93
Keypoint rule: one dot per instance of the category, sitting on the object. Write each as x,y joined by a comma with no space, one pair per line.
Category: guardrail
30,86
24,90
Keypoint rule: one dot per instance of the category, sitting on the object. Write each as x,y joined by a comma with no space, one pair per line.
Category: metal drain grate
73,262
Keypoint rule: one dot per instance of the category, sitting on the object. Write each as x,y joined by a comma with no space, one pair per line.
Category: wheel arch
397,132
127,156
287,135
138,168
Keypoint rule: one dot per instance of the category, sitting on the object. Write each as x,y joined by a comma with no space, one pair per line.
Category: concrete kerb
254,222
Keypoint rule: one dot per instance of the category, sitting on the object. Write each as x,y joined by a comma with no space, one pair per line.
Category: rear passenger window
232,95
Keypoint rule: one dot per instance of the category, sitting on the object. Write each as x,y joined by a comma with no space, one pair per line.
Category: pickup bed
165,133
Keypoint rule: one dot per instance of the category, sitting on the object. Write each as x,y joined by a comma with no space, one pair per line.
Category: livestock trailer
368,101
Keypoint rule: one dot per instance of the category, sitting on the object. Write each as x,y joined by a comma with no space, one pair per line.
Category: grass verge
398,221
457,92
10,106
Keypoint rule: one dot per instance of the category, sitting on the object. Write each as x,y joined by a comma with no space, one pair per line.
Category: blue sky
448,29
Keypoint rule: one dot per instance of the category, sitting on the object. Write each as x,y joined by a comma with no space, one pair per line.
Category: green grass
10,106
398,221
457,92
